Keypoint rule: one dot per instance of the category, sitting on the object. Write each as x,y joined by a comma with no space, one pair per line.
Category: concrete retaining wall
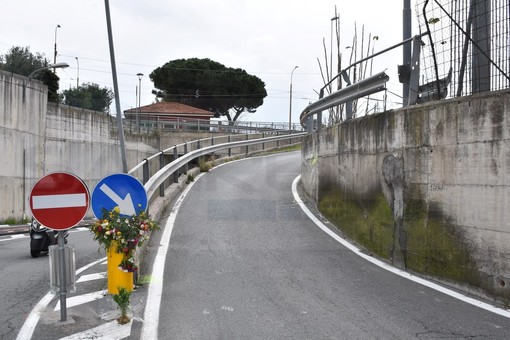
427,188
37,138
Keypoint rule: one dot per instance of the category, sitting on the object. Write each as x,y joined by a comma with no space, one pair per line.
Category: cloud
266,38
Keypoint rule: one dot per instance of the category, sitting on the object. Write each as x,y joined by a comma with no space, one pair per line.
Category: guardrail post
161,165
185,152
263,144
176,173
145,171
247,147
277,142
229,149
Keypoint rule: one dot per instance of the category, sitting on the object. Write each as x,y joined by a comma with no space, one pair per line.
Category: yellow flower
116,209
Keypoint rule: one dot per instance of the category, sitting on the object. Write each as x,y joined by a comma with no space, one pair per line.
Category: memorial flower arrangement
125,233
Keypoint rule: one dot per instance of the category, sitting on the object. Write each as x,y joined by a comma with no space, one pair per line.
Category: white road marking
82,269
151,313
28,327
59,201
404,274
19,236
109,331
91,277
27,330
10,237
82,299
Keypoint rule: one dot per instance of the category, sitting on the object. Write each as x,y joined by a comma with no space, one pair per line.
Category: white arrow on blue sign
119,190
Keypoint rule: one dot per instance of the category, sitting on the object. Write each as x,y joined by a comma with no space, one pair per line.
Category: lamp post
53,66
290,101
140,76
78,72
331,55
55,51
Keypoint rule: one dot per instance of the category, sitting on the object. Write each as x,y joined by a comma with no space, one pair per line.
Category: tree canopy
209,85
21,61
89,96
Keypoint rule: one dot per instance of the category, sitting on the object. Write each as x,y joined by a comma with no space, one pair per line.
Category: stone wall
426,187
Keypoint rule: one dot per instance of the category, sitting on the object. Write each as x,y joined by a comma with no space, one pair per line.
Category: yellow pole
117,278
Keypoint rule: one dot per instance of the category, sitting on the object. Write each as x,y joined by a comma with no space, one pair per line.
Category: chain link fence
468,47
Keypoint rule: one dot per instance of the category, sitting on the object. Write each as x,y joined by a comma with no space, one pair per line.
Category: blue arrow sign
119,190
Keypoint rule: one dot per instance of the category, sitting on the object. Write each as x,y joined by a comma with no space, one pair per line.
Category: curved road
244,262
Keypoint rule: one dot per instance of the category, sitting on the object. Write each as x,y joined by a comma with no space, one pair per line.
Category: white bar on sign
59,201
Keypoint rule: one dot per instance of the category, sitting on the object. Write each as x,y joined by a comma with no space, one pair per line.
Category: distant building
169,113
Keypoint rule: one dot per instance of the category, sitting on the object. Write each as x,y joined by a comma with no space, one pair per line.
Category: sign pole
59,201
62,276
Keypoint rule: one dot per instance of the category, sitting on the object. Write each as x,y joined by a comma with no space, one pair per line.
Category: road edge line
383,265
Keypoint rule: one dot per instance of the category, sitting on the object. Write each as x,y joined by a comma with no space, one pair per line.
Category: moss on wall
434,246
366,221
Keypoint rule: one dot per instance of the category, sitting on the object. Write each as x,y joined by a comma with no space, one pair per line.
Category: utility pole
406,49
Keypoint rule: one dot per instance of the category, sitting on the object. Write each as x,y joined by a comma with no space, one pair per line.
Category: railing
149,125
352,92
192,150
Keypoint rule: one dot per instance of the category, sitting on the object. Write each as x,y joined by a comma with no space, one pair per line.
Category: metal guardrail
357,90
157,180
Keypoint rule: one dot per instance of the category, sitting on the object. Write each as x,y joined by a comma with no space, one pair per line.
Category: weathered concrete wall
37,138
426,187
22,125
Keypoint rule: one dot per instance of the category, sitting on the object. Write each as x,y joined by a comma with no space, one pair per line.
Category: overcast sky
265,38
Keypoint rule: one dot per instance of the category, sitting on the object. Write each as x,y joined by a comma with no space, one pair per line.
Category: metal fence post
229,149
176,173
161,165
247,147
185,152
145,171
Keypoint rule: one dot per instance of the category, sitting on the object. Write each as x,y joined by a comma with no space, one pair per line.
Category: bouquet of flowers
123,232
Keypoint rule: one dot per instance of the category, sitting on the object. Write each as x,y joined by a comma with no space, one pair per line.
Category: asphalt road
25,280
244,262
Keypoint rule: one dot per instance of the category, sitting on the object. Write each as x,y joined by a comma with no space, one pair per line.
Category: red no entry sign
59,200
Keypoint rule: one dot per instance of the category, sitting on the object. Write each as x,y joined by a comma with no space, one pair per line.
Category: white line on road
28,327
91,277
111,331
27,330
59,201
383,265
82,299
151,313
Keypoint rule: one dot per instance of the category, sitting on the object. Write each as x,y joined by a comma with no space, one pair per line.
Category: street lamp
55,53
290,101
77,73
54,66
140,76
331,55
